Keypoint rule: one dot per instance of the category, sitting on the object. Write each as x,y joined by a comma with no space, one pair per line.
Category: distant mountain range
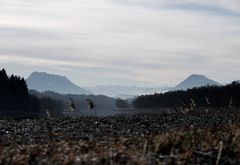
124,92
42,81
195,81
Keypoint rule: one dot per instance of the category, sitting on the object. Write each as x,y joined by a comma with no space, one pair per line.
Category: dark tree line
15,100
103,104
14,94
120,103
208,96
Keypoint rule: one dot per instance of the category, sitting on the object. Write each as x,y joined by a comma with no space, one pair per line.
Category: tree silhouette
207,96
120,103
14,96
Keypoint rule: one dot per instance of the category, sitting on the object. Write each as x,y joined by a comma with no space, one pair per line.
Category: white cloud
127,41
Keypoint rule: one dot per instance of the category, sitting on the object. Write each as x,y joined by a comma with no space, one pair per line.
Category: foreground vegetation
206,138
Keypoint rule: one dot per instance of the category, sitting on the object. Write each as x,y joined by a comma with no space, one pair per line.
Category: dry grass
144,139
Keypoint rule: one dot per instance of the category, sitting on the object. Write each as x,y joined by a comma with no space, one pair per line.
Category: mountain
42,81
195,81
118,91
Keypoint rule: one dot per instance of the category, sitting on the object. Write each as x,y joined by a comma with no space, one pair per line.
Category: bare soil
206,138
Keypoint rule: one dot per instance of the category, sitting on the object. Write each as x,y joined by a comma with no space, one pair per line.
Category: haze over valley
42,81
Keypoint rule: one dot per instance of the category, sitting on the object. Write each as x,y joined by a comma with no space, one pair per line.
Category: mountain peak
195,80
42,81
197,76
45,74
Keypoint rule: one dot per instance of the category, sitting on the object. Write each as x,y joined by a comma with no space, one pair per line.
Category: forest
14,95
227,96
16,101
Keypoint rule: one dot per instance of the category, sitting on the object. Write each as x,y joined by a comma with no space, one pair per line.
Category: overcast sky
125,42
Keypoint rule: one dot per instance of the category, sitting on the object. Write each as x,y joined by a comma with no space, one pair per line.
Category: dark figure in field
90,104
72,105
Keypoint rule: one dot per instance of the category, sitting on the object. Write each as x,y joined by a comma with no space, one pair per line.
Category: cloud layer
141,42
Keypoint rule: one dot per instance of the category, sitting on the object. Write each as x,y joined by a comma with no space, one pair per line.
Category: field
206,138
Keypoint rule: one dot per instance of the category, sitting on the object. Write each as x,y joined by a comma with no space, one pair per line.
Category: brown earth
207,138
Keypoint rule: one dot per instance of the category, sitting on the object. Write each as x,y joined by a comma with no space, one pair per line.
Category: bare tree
72,106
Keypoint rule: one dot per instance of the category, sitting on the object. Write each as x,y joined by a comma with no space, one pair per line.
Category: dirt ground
207,138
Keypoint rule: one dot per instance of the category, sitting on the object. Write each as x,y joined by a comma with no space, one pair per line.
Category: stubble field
206,138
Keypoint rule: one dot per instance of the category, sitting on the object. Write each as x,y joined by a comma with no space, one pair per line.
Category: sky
121,42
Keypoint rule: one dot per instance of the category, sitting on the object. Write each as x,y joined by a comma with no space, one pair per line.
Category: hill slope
42,81
103,105
195,81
